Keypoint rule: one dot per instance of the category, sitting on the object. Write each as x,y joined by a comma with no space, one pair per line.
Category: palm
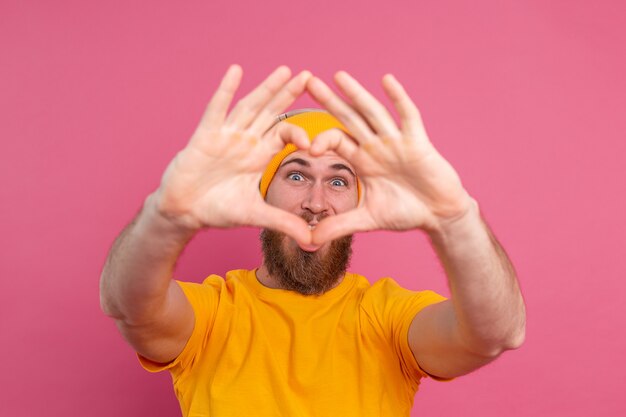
408,184
411,191
213,182
214,179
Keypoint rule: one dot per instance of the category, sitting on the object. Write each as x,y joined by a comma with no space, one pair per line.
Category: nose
316,200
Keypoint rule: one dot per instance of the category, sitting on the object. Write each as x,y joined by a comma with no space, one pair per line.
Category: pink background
525,98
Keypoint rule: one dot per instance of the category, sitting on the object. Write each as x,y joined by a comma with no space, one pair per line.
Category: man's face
312,188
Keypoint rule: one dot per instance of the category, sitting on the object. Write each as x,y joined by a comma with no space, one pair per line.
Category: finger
357,127
285,97
368,106
270,217
249,107
334,140
343,224
410,117
284,133
217,108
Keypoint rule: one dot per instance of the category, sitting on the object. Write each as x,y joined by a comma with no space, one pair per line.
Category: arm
212,182
137,290
485,315
409,185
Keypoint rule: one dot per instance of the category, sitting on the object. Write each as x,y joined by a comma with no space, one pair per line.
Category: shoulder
388,289
387,301
215,282
213,288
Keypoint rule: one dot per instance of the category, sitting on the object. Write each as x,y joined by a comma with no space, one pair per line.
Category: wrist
154,216
459,225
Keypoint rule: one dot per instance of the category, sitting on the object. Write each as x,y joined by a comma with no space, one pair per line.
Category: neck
264,277
267,280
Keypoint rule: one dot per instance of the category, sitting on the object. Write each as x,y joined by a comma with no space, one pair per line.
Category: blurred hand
407,183
214,180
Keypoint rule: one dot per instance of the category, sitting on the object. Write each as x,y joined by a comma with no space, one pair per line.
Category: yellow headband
314,122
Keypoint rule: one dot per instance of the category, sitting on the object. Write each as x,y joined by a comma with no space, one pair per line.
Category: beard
308,273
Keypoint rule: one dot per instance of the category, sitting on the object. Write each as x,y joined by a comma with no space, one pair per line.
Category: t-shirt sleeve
204,299
393,309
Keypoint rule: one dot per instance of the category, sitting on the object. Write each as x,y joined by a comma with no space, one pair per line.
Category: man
299,336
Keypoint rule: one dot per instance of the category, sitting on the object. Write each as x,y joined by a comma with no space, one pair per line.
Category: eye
295,176
338,182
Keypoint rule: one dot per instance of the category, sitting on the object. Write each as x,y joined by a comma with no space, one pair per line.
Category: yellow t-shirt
257,351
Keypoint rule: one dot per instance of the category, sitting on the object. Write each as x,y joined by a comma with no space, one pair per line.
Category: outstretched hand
407,183
214,180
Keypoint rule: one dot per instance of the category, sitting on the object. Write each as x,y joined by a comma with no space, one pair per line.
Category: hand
407,183
214,180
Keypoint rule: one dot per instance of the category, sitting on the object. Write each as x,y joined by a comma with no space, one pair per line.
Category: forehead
325,160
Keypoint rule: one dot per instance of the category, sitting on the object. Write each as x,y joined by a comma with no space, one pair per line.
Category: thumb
334,140
285,133
269,217
333,227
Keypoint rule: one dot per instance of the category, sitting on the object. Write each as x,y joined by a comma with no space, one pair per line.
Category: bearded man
300,336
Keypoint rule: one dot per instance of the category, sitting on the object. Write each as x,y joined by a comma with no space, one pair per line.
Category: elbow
107,307
514,339
493,350
517,333
107,300
493,346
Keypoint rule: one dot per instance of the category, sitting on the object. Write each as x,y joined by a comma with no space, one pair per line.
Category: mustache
309,217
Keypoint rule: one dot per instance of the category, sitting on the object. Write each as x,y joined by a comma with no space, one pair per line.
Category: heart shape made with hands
405,182
316,187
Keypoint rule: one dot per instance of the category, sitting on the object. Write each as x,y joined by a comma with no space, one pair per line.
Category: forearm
139,268
488,304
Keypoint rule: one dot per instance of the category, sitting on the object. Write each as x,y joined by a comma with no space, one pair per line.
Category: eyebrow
304,163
